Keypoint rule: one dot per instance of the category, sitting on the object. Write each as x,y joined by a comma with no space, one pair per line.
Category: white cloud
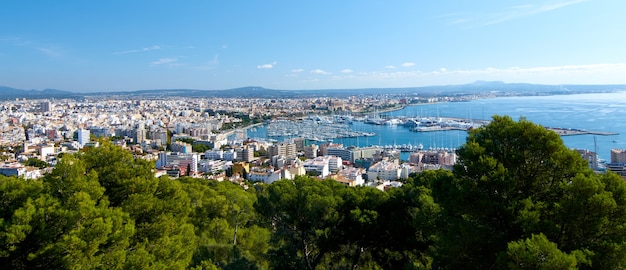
346,71
164,61
506,14
50,52
408,64
320,71
564,74
267,66
390,67
298,70
520,11
310,81
155,47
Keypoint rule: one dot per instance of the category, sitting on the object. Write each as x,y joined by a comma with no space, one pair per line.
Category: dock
572,132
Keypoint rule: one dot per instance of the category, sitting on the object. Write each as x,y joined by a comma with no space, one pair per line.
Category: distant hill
475,88
12,93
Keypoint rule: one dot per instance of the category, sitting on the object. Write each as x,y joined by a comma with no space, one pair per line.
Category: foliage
538,253
35,162
517,199
185,140
514,180
200,147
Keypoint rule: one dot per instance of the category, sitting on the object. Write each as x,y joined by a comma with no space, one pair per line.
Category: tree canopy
517,199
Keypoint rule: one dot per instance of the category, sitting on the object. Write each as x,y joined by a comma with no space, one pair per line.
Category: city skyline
119,46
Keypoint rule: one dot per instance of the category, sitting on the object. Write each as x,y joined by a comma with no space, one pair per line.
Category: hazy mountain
475,88
12,93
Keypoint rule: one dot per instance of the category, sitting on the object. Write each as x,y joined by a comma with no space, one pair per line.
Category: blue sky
130,45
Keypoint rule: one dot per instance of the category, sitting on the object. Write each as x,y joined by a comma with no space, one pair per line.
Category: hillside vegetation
517,199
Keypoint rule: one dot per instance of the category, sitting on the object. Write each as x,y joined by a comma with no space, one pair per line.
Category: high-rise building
590,157
300,144
341,152
139,135
618,155
245,153
311,151
83,137
282,149
45,106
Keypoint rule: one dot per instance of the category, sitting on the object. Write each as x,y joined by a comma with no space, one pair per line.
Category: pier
572,132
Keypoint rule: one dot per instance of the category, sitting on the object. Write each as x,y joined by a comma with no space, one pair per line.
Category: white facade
230,155
45,151
213,166
334,163
83,137
178,159
354,174
405,171
384,170
319,165
341,152
214,154
269,176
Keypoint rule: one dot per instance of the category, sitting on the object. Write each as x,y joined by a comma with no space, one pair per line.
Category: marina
314,129
577,118
331,129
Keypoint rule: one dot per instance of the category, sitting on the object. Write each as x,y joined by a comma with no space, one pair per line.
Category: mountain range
478,87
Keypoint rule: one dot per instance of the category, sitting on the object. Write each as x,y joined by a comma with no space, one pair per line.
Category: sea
605,112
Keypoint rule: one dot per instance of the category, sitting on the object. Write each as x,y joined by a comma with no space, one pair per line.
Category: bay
604,112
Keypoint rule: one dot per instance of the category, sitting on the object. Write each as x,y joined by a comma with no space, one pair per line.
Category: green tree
538,253
164,237
200,147
225,222
516,179
302,214
35,162
61,223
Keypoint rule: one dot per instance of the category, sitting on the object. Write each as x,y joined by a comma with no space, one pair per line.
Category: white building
214,154
83,136
269,176
384,170
353,174
334,163
339,151
229,155
405,171
319,165
179,159
213,166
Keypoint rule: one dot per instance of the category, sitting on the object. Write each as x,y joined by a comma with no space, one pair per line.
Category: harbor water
603,112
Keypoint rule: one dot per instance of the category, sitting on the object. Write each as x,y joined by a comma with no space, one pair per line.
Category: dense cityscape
206,137
206,134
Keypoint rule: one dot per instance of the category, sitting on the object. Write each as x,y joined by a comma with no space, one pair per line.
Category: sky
86,46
